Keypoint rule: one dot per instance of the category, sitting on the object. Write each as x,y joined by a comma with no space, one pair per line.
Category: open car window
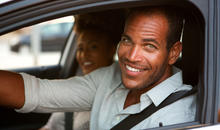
38,45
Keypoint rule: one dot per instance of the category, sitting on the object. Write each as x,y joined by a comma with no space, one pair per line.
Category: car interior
193,60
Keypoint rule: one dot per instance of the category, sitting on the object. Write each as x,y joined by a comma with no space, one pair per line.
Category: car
200,56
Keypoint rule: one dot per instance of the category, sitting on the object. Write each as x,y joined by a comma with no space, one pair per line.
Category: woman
95,49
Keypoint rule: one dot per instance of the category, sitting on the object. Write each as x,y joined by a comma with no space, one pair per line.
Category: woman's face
94,51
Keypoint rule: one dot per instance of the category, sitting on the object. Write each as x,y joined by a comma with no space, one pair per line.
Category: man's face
143,56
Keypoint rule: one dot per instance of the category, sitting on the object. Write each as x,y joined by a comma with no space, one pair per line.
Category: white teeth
132,69
87,63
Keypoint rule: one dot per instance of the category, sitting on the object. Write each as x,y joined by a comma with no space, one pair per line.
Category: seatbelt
134,119
69,120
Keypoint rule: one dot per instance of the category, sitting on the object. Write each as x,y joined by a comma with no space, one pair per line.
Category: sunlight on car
4,1
37,45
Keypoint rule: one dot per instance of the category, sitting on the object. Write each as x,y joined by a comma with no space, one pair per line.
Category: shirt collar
160,92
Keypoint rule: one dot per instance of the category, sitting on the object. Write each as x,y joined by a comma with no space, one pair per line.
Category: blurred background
36,45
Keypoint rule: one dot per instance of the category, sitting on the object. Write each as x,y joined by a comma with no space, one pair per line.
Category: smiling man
144,58
143,76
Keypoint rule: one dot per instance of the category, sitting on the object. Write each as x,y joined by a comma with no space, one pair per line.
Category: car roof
17,14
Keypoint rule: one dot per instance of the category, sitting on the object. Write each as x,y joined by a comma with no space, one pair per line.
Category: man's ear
174,52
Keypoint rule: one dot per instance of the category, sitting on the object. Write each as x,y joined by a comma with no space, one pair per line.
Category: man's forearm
11,89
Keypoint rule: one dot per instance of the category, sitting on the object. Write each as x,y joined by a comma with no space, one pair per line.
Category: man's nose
134,54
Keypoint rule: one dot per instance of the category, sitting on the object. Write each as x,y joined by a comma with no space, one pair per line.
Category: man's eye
125,41
150,46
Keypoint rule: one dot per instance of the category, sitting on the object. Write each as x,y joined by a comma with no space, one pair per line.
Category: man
148,48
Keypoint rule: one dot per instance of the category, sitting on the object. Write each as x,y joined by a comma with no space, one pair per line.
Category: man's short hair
174,17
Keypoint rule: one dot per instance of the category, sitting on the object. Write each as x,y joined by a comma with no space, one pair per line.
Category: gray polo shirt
103,93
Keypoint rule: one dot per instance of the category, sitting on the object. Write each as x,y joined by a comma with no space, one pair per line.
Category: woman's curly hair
110,22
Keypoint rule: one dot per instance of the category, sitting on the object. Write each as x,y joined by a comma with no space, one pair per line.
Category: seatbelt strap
134,119
69,120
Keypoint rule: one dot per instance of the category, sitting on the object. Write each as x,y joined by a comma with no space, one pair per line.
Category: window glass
37,45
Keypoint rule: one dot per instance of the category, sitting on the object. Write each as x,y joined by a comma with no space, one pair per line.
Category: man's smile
132,69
